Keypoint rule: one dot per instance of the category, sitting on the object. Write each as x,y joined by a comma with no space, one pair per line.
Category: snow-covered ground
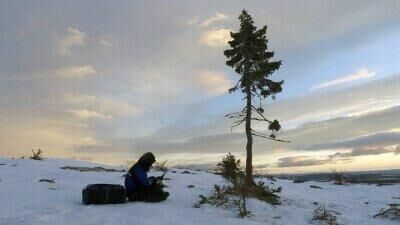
25,200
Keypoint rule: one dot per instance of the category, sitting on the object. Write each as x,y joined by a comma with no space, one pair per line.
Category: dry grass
36,155
161,166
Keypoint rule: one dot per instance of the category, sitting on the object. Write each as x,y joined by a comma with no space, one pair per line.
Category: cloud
87,114
305,161
397,151
213,82
52,133
261,166
346,105
370,151
215,37
356,100
198,166
75,37
100,107
75,71
380,139
339,126
297,161
218,17
193,20
218,143
93,149
302,138
331,33
361,152
106,42
360,74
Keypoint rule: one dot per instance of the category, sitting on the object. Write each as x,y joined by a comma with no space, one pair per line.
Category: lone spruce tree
250,58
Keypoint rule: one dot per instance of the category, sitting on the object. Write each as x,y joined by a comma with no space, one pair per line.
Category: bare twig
269,121
266,137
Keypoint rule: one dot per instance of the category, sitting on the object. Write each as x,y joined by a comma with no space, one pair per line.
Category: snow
25,200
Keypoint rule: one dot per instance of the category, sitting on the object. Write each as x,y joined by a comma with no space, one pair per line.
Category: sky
107,81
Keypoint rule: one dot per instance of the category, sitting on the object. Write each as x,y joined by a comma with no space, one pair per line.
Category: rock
51,181
190,186
298,181
187,172
315,186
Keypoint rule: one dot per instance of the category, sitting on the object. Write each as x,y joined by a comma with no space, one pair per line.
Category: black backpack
103,194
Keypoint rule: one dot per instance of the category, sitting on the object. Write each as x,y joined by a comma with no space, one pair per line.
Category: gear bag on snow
103,194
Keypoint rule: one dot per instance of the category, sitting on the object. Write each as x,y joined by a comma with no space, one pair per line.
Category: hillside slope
25,200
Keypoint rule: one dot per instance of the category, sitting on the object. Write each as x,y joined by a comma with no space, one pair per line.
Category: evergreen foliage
325,215
235,193
229,168
250,58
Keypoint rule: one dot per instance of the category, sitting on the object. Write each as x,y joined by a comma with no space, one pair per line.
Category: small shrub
229,168
338,177
218,197
161,166
224,197
234,195
265,193
36,155
326,216
393,212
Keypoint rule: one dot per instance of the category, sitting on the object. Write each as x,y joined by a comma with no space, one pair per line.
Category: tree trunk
249,146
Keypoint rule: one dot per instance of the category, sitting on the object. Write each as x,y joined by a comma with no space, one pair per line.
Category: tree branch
269,121
259,134
258,119
266,137
238,122
235,114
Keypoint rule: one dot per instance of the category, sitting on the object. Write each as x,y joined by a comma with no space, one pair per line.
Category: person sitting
139,187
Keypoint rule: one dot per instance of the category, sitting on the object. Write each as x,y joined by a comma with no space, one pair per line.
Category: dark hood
146,160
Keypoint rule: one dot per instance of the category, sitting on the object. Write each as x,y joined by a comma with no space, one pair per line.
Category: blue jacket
138,181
